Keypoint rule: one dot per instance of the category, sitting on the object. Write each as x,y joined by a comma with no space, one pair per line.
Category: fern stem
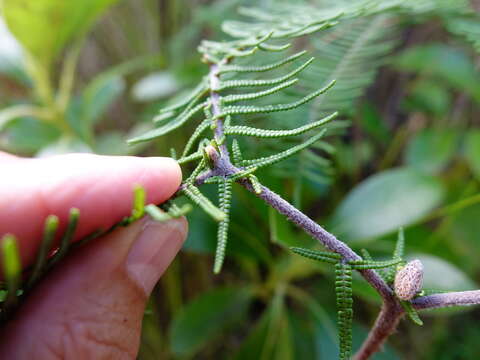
323,236
384,326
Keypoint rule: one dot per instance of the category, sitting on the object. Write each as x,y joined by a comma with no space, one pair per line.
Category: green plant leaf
472,151
45,27
206,317
442,275
384,202
443,62
270,338
431,149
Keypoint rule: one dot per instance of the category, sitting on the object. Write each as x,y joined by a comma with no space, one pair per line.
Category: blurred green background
87,75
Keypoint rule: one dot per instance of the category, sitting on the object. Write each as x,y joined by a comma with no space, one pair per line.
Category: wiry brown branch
392,311
461,298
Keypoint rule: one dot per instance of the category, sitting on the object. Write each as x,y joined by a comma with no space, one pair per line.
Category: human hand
91,305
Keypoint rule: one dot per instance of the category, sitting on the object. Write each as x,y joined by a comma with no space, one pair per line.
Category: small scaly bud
409,280
211,155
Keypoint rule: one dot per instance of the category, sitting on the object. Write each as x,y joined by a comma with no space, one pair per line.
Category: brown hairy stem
391,311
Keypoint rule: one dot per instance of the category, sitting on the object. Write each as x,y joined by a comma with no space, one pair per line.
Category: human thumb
91,305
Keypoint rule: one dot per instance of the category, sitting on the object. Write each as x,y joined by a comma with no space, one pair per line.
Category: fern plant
222,104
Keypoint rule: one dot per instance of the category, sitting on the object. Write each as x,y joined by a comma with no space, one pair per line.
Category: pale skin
91,305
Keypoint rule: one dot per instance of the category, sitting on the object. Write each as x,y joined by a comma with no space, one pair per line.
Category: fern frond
269,160
214,180
200,89
157,214
324,256
174,124
163,116
200,166
411,312
50,229
343,289
192,157
466,27
264,82
237,110
397,254
275,48
67,237
262,68
201,200
256,95
366,255
243,174
196,134
400,245
262,133
170,211
257,187
225,195
367,264
236,153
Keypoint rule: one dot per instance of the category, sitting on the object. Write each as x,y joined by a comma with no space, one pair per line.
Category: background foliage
406,152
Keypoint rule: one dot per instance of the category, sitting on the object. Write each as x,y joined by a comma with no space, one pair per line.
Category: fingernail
153,250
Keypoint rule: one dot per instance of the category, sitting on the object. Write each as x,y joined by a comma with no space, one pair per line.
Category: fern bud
409,280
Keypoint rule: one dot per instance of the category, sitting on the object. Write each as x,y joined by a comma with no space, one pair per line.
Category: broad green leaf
372,122
327,342
270,339
430,150
472,151
45,27
97,99
29,135
283,234
429,96
206,317
442,275
384,202
443,62
11,56
155,86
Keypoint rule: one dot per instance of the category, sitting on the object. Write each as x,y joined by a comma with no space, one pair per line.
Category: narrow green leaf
235,110
237,68
257,187
157,214
198,198
67,238
325,256
243,174
192,157
174,124
411,312
261,133
196,134
50,229
139,197
258,94
343,290
225,195
241,83
200,89
366,264
269,160
12,269
236,153
274,48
